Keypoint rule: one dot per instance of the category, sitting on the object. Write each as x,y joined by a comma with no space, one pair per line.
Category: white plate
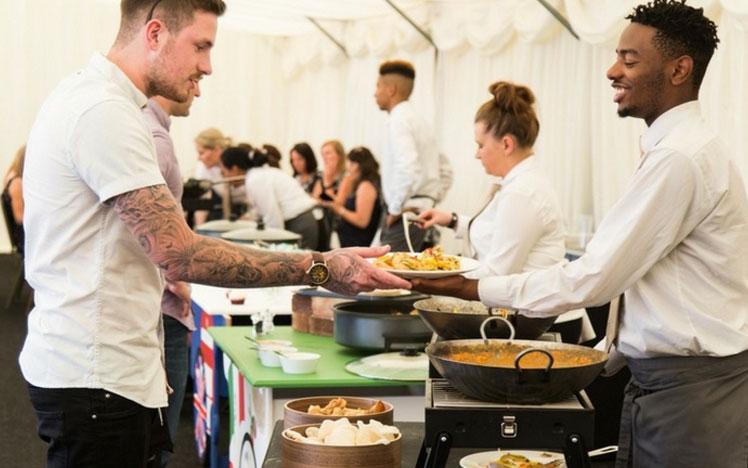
482,459
466,264
224,225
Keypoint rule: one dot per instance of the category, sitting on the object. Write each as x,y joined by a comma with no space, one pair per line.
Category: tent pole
329,36
556,14
412,23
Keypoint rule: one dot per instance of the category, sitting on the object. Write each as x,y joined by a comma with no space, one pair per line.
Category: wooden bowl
300,455
295,411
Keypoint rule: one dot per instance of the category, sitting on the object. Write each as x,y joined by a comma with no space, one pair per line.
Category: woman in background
358,202
209,144
274,194
326,188
12,198
521,227
304,165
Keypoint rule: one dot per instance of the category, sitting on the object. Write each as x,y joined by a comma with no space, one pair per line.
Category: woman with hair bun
521,226
275,195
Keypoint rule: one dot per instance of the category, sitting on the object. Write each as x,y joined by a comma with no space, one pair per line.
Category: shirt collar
666,122
102,65
161,116
523,166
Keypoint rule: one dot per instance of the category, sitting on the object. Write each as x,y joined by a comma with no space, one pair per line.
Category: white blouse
521,228
276,196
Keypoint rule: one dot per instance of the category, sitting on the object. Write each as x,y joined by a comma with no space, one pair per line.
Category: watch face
319,273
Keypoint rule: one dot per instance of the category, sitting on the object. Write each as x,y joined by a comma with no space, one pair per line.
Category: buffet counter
257,393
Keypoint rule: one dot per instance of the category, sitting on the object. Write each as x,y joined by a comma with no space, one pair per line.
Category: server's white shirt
97,295
521,228
676,242
276,196
411,164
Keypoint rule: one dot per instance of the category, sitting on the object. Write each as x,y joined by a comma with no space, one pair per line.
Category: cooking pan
379,326
517,382
455,319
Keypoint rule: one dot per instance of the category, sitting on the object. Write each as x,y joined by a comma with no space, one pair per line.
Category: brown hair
511,111
273,154
212,138
337,146
174,13
398,67
17,164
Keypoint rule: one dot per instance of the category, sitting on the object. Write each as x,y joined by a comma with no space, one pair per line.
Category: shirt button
93,416
107,395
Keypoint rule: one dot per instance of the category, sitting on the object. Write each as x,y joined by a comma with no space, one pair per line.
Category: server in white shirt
415,176
521,227
103,232
676,243
276,196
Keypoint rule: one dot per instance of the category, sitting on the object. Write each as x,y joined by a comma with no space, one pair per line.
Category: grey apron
685,412
307,226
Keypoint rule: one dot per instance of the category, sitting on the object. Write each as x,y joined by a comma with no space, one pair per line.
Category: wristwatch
453,221
318,272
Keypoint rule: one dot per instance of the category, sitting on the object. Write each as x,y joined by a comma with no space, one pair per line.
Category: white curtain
282,90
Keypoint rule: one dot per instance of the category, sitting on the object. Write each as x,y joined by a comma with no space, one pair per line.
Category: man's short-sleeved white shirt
97,295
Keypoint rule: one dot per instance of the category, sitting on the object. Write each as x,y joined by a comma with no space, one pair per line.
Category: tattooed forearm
154,218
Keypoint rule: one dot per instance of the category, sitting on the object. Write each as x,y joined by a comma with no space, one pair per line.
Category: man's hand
350,274
183,293
455,286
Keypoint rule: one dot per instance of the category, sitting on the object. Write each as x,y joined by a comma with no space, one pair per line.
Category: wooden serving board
312,314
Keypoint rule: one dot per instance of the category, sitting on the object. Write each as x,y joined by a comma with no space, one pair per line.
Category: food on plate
339,407
342,432
514,460
432,259
504,355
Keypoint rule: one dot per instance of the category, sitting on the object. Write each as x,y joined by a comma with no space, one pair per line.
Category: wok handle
533,350
495,317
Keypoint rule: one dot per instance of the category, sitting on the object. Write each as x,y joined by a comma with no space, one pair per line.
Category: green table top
330,369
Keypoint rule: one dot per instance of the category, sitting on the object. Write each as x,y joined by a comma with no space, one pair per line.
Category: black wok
517,384
454,319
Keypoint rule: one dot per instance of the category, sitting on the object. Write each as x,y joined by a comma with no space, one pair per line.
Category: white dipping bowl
268,354
299,363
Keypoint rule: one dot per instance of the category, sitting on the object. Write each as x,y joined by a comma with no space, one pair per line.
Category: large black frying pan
455,319
515,384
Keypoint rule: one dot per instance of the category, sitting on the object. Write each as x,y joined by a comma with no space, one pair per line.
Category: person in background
13,191
273,154
304,165
209,144
176,305
358,203
275,195
326,188
520,228
675,244
415,176
103,231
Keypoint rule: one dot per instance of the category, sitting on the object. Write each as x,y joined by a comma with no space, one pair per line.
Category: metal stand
575,452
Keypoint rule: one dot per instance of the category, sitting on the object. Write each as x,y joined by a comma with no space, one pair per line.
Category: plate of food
431,263
514,459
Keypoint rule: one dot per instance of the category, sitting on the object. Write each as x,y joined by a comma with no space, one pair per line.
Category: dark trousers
176,352
98,429
394,236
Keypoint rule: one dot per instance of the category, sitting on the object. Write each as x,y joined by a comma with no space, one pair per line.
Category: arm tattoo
154,218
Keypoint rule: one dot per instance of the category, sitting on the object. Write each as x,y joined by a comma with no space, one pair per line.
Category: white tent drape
295,85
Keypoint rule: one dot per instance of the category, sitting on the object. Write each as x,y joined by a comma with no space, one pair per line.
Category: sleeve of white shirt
262,194
517,226
646,223
112,150
461,231
405,162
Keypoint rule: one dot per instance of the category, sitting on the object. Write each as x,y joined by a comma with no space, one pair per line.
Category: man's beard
159,84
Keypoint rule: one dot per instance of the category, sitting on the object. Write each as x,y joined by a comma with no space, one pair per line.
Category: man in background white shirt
415,176
676,243
103,232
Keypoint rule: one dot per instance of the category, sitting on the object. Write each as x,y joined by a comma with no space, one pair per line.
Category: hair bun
509,97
